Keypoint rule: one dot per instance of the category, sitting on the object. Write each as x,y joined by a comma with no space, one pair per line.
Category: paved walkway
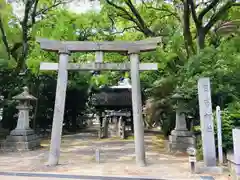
117,159
24,178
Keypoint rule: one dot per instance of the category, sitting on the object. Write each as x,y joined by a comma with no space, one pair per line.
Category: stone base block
181,133
18,140
19,132
233,167
180,143
21,146
28,138
210,170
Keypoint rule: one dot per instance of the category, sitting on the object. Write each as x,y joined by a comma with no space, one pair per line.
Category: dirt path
117,159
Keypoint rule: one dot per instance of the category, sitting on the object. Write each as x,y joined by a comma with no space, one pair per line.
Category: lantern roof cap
177,96
24,95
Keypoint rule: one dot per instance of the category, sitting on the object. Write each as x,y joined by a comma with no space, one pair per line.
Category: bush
230,119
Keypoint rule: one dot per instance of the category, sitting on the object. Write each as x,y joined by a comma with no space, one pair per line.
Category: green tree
34,11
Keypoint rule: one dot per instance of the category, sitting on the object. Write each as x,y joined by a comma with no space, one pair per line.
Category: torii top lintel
105,46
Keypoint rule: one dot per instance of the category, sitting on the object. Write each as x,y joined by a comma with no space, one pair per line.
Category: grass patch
158,142
130,138
126,158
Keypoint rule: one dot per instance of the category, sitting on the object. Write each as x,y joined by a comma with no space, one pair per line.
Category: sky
77,6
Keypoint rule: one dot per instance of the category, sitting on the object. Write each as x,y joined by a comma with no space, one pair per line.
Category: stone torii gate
65,48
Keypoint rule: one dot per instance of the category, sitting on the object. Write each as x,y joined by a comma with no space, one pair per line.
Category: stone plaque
206,120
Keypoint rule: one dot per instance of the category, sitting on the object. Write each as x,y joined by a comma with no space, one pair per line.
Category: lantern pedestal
180,138
22,137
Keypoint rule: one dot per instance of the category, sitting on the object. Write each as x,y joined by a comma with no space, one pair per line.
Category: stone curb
48,175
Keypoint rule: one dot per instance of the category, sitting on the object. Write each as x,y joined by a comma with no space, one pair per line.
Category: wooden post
137,110
59,108
99,57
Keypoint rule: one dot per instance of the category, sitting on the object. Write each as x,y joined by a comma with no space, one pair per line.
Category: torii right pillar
137,109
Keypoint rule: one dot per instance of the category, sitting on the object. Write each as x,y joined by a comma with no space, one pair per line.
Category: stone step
20,146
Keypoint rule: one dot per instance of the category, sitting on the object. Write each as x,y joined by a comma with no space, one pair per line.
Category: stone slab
181,133
210,169
182,139
21,146
178,147
21,138
180,143
18,132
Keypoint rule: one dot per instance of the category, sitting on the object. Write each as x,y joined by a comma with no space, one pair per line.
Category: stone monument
181,138
206,122
207,128
22,137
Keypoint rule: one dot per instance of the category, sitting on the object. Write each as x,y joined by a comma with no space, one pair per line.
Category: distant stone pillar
113,127
181,138
236,149
105,127
121,127
22,137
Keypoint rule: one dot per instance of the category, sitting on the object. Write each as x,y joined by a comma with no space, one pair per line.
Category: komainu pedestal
22,138
180,138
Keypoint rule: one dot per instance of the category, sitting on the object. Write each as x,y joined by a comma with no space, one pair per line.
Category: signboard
192,159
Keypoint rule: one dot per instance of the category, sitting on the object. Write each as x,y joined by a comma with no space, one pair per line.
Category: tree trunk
186,29
201,39
74,119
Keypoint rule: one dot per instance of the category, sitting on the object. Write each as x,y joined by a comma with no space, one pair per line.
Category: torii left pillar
59,107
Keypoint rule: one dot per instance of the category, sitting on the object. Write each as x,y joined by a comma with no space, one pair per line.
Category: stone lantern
23,137
181,138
